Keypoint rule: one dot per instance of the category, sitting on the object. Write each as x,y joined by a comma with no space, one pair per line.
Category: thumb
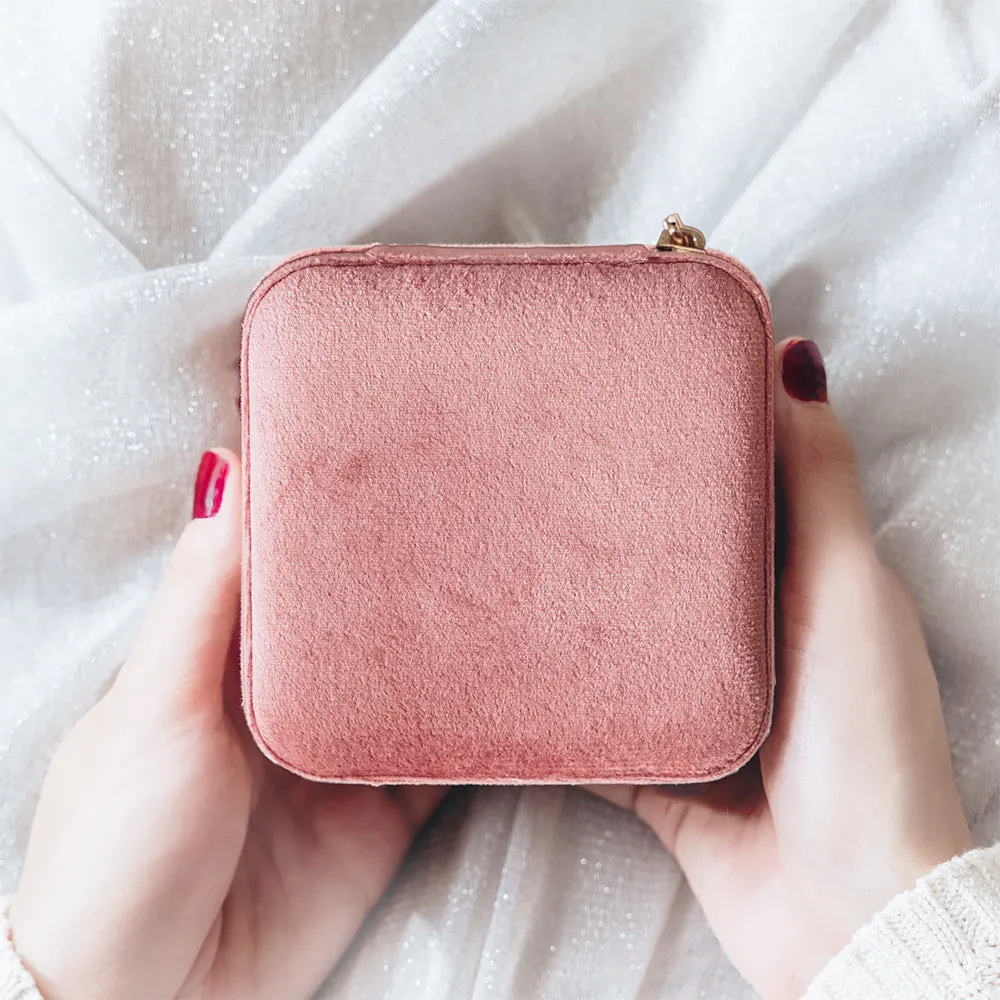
179,657
821,487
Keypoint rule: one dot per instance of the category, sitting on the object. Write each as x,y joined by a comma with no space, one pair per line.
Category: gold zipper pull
677,236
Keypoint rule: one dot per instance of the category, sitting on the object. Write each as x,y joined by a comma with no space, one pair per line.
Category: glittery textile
156,159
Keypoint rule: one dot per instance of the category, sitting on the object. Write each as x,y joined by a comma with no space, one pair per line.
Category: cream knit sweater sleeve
939,941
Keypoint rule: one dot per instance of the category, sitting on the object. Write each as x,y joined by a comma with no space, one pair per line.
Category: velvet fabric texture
508,515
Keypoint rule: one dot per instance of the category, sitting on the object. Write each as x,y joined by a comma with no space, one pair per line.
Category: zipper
677,236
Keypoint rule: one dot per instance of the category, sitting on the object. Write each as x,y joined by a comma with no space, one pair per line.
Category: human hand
852,797
168,857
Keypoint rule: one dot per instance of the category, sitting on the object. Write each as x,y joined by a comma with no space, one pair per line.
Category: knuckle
664,815
797,619
802,627
900,596
201,557
828,451
184,563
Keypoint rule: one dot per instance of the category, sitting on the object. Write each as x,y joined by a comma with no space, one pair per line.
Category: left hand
168,857
852,797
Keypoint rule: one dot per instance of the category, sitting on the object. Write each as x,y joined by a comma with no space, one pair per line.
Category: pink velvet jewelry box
508,514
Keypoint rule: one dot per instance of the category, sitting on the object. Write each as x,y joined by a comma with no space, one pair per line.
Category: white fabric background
156,159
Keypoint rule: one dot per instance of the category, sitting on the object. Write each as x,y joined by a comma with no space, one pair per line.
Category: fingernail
209,485
802,372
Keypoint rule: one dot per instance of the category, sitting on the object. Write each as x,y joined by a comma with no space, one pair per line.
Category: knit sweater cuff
938,941
15,981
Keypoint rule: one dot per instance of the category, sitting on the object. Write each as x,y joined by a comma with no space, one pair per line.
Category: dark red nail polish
802,372
209,485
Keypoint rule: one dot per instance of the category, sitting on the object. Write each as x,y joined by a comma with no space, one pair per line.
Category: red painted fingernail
802,372
209,485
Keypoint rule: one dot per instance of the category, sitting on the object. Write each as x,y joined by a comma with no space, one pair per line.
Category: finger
694,822
417,802
831,574
689,826
622,796
673,814
821,486
181,650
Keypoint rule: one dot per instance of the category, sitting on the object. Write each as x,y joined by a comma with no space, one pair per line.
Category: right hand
168,858
853,797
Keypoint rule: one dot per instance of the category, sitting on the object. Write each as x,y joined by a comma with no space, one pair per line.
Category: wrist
16,982
61,965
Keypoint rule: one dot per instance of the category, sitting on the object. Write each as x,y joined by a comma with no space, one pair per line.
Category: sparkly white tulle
156,159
